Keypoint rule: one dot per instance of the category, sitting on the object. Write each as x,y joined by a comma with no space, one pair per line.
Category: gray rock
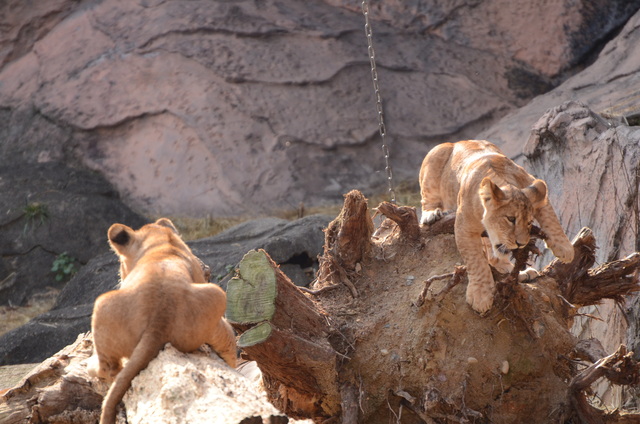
293,244
47,210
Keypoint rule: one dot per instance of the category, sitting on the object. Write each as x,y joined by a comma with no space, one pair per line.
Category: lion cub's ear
166,222
120,236
536,193
490,191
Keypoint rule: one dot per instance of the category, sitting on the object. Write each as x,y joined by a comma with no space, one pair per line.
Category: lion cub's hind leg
432,173
431,201
220,335
102,368
223,341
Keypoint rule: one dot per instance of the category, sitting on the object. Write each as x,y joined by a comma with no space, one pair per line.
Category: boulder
196,388
609,87
175,387
193,108
52,212
545,39
295,245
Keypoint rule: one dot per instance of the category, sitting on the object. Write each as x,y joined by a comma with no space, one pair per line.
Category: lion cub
489,192
162,299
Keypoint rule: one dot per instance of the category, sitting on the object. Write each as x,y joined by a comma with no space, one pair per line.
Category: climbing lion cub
489,192
163,298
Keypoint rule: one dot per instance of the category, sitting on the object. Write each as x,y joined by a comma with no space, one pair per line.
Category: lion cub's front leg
428,217
557,240
431,206
481,288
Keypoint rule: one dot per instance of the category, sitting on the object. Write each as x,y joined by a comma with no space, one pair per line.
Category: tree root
582,286
456,276
619,368
405,217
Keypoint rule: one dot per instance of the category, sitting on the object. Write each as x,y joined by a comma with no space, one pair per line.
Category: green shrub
35,214
64,267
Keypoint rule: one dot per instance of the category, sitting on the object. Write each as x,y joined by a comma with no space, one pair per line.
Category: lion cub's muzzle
502,249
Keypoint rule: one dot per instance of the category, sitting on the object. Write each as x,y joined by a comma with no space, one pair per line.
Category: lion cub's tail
146,349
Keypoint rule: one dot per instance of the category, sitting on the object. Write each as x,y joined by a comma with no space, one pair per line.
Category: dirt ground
442,361
14,316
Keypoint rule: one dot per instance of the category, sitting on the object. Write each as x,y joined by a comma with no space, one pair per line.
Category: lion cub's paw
429,217
93,367
479,298
563,251
528,275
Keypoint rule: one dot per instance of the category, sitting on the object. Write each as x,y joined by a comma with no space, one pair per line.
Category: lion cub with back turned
163,298
489,192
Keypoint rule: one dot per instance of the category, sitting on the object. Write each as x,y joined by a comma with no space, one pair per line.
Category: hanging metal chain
376,89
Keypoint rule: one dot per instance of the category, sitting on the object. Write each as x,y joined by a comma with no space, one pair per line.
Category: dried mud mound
442,359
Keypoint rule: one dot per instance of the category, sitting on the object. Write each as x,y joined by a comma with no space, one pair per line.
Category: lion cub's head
161,238
508,213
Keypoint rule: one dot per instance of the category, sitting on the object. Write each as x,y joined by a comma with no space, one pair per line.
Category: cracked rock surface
193,108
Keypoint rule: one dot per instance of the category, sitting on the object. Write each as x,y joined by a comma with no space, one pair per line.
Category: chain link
376,89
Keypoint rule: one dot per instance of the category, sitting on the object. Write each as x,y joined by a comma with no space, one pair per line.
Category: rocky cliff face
591,167
610,87
195,108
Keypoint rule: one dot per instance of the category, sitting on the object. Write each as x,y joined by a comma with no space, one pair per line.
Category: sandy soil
443,359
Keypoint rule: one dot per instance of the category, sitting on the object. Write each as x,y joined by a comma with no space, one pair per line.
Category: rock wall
610,87
195,108
50,210
592,168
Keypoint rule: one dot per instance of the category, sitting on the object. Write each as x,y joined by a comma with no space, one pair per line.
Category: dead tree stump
286,334
346,244
436,360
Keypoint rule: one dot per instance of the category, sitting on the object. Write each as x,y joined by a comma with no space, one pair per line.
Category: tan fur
489,192
163,298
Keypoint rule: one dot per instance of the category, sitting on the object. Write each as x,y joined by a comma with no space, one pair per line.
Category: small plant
64,267
36,214
229,268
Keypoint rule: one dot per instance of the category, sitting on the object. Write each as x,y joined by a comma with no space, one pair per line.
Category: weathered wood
455,278
290,347
612,280
566,275
405,217
347,242
254,335
444,225
582,286
58,390
255,302
10,375
619,368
